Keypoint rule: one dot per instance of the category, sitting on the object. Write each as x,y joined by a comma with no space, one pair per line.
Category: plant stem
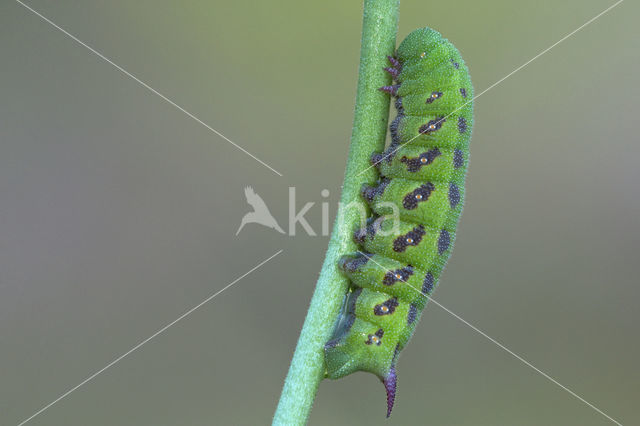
379,28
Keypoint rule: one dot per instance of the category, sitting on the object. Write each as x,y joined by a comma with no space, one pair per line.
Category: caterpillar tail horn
390,384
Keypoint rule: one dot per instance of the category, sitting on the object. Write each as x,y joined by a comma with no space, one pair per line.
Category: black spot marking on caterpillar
413,314
349,264
373,224
455,64
391,277
418,195
393,128
458,158
386,308
391,152
412,238
399,106
433,97
443,241
462,125
454,195
424,159
432,126
361,234
376,158
463,92
369,192
387,156
427,284
375,338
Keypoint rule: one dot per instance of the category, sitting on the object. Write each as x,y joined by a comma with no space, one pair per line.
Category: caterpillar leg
392,90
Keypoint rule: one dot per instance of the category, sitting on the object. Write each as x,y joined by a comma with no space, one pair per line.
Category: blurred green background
118,213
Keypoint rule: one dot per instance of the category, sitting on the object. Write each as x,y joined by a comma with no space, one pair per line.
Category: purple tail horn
390,384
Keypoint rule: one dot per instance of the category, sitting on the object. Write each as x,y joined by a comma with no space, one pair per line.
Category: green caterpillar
422,172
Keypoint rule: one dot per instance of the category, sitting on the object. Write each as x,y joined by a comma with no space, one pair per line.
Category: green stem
379,28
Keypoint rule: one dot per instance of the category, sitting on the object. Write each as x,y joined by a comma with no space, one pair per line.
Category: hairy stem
379,28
